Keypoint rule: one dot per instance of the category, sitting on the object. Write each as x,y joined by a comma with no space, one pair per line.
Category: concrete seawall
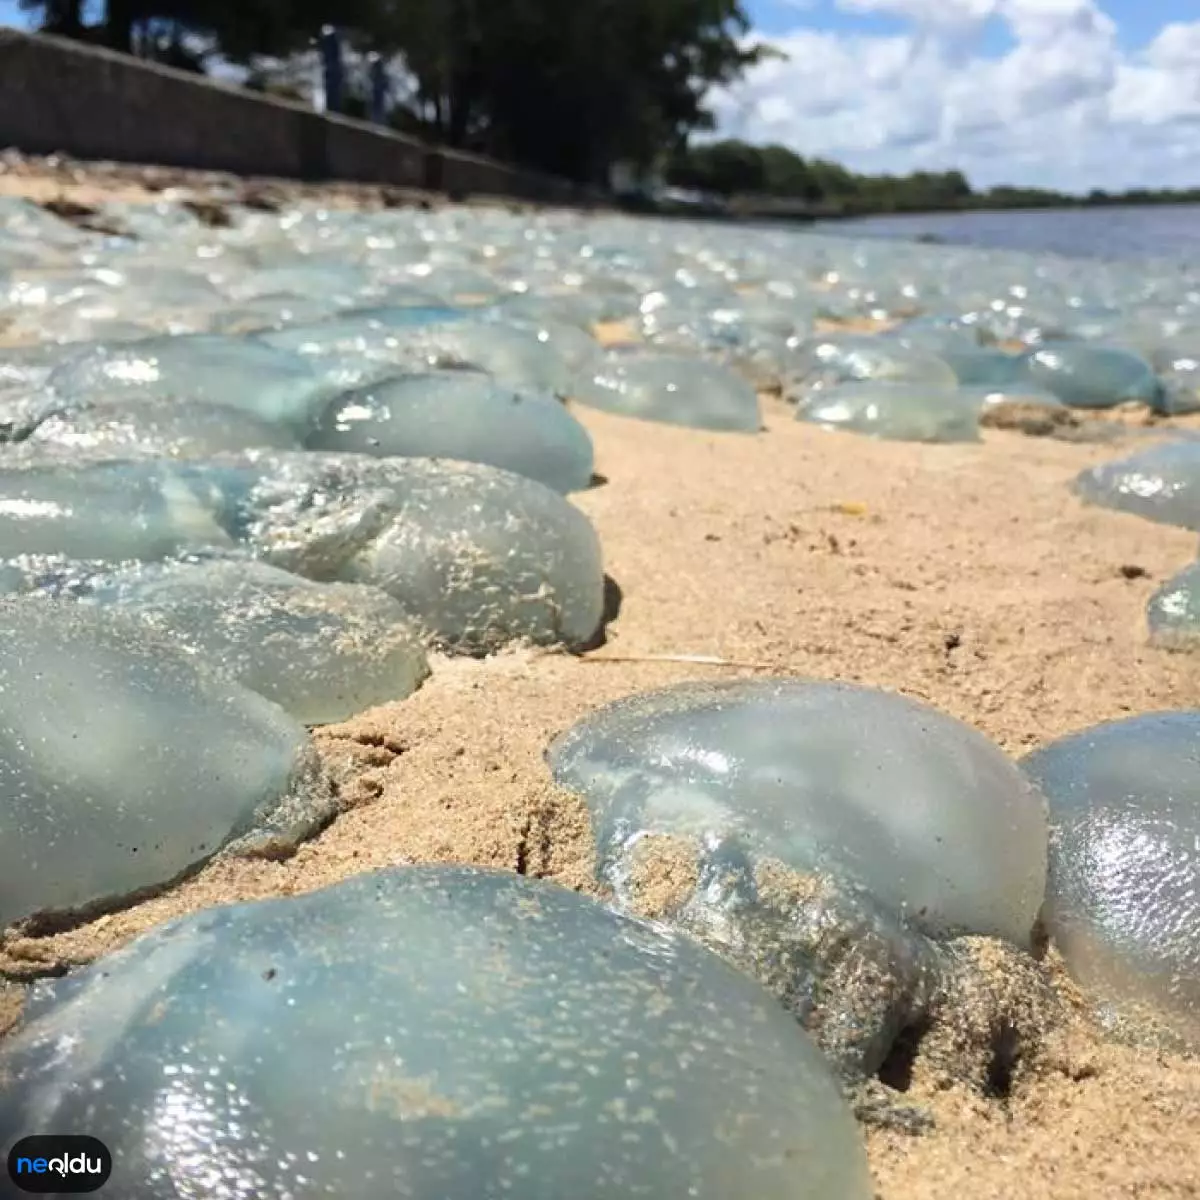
62,97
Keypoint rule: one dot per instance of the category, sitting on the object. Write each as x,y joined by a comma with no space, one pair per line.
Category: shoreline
49,178
964,575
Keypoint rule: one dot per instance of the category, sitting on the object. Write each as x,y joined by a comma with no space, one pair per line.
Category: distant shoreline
748,209
61,180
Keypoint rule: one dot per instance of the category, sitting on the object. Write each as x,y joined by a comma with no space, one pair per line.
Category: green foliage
62,17
773,180
238,29
733,168
722,167
566,88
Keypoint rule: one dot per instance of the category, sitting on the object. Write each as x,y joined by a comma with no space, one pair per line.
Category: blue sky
1072,94
774,17
1137,20
1068,93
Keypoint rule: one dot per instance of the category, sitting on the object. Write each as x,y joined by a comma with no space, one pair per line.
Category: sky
1068,94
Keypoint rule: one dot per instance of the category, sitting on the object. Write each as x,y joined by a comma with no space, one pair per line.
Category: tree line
568,87
766,179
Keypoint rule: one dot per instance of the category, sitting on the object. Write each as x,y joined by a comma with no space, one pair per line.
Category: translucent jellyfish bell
122,763
670,388
477,556
829,359
1085,375
830,840
896,411
160,426
241,373
114,511
321,651
1123,892
1173,612
1161,484
460,415
824,776
433,1032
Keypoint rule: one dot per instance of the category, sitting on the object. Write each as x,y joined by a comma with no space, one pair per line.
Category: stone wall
58,96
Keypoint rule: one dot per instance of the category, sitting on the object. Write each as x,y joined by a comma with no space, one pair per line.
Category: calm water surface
1154,232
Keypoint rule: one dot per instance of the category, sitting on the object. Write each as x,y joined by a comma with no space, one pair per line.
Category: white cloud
1177,45
926,13
1066,106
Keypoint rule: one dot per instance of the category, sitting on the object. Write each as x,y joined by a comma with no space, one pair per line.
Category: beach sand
967,576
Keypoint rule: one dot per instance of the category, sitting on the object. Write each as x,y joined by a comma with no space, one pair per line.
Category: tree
787,174
564,88
62,17
238,29
734,168
726,168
